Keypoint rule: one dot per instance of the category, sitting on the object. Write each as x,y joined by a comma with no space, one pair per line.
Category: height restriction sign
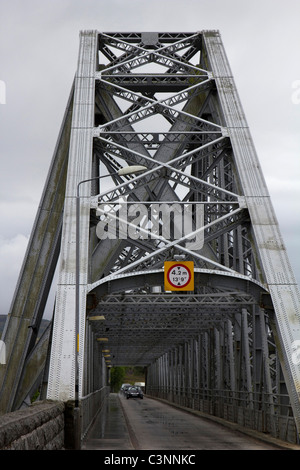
179,275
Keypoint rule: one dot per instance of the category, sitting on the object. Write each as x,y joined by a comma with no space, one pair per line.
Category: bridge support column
72,426
61,385
199,158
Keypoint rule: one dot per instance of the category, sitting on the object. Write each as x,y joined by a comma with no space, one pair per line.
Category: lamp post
122,172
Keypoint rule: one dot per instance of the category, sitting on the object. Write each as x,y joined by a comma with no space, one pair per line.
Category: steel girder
226,367
140,324
186,124
168,101
25,364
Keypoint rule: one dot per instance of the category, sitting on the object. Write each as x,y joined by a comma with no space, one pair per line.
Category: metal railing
267,413
90,406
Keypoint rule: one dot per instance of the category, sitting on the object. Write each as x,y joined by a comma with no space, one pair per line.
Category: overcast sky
38,56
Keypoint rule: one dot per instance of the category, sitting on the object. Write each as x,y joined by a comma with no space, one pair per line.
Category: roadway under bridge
155,425
157,219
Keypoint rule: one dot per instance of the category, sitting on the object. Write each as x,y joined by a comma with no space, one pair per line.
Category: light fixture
127,170
96,318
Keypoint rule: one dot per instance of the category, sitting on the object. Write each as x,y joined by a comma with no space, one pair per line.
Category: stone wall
38,427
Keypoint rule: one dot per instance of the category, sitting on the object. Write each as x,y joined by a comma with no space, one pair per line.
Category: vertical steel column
181,371
176,372
197,363
207,364
218,360
268,386
246,358
172,373
230,357
274,266
62,364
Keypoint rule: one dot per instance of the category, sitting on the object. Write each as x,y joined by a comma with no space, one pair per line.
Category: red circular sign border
188,270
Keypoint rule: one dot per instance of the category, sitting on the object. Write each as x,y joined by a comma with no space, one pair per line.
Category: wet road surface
148,424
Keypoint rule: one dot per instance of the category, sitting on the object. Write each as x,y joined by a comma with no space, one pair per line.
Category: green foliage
117,375
120,375
134,374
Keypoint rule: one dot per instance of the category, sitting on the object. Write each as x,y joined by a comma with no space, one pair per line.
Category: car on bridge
141,385
134,392
124,387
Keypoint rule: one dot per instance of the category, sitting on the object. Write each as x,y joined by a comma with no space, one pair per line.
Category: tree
117,375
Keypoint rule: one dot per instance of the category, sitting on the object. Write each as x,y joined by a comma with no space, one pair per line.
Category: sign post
179,276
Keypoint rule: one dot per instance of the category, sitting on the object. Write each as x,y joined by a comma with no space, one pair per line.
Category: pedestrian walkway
109,430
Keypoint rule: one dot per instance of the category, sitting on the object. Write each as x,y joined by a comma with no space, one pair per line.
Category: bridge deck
152,425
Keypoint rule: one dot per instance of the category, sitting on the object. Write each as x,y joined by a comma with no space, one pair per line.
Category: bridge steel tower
168,102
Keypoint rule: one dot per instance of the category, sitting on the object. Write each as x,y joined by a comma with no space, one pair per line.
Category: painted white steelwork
168,102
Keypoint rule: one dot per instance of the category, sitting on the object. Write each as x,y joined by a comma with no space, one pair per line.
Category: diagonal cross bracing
211,176
166,101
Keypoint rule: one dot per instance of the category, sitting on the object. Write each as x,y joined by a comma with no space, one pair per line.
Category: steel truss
168,101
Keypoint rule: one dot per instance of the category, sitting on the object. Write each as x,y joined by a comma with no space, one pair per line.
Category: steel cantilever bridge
225,344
